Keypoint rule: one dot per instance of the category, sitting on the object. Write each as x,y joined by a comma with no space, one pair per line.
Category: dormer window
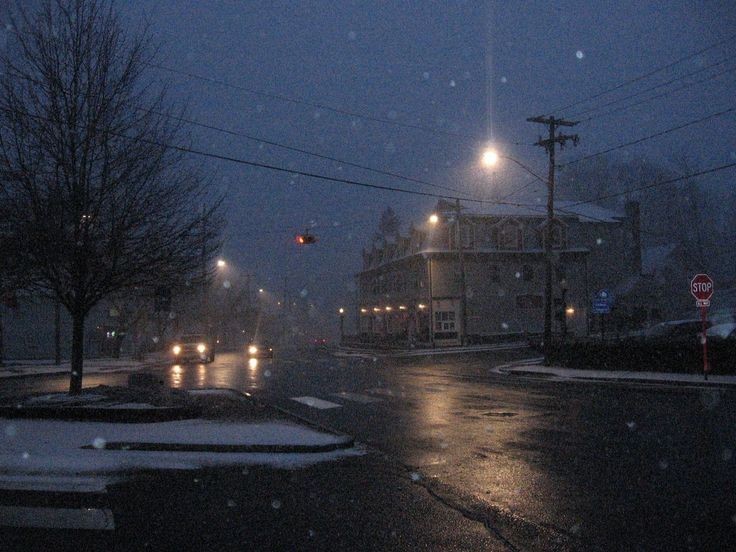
510,236
559,234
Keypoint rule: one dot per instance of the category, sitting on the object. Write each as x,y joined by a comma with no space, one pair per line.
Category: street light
221,263
342,324
433,219
489,158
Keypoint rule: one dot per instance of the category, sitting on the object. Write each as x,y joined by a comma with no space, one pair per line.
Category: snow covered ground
54,448
17,368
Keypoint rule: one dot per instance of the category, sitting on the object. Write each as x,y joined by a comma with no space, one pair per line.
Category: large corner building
411,287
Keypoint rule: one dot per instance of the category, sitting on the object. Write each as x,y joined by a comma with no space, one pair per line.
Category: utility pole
550,144
461,262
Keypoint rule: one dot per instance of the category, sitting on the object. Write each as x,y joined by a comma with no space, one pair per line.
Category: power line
304,151
276,168
655,184
655,135
646,75
661,95
655,87
316,105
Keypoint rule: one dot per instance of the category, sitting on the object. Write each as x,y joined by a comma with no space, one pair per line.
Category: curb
65,372
510,370
92,414
345,443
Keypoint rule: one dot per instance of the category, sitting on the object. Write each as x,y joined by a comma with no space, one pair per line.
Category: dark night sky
474,69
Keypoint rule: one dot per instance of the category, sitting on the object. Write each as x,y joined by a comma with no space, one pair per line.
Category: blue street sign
602,302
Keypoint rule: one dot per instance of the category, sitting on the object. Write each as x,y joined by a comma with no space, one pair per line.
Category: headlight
201,348
176,349
252,349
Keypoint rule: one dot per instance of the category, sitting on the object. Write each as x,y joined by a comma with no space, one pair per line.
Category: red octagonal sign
701,286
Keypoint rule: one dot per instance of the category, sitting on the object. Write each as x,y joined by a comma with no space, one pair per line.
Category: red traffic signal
305,239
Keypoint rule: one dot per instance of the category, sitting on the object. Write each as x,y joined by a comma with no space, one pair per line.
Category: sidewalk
406,352
534,367
20,368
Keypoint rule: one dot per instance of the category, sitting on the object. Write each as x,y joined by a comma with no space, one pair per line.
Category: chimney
633,235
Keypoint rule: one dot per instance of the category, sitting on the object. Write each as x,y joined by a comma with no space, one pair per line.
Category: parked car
722,332
259,350
673,331
193,348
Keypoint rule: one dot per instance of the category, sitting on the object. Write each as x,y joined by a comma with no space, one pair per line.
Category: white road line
381,391
356,397
57,518
314,402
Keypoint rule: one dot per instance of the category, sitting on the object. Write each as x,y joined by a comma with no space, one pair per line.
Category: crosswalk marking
100,519
356,397
314,402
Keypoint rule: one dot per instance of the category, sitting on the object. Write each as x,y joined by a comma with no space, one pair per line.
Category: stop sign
701,286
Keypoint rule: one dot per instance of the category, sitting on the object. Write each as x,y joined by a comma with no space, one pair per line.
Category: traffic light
305,239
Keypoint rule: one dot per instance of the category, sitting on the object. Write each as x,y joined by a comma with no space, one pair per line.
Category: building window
529,301
467,235
494,274
509,237
558,235
444,321
527,273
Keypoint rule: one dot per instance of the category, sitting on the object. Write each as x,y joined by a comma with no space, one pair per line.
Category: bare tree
98,199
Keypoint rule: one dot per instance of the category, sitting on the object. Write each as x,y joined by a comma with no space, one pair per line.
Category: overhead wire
650,136
656,184
316,105
660,95
651,88
646,75
306,152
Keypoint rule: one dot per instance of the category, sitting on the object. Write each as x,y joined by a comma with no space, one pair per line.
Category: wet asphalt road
593,465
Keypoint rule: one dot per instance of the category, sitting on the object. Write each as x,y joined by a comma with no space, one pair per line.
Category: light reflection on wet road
621,467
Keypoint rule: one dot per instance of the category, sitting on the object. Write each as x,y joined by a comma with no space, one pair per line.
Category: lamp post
489,158
341,311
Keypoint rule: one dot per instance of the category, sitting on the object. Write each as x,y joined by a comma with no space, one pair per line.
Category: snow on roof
584,213
653,258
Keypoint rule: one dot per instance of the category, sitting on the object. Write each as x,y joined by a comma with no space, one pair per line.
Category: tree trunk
75,382
2,340
57,333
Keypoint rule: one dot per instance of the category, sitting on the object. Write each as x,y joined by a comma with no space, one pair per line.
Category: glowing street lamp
342,324
433,218
221,263
489,157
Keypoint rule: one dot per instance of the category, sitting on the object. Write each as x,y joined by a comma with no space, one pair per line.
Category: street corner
534,368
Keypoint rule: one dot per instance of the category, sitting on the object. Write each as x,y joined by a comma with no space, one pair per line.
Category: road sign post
602,304
701,287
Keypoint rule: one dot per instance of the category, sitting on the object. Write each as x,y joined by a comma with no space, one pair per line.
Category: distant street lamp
221,263
342,324
433,219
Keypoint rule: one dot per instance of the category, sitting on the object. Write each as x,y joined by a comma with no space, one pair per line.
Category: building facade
478,276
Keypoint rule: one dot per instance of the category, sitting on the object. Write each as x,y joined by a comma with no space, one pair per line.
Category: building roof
654,258
584,213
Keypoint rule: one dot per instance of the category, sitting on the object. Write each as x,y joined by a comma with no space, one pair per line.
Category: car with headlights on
193,348
259,350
